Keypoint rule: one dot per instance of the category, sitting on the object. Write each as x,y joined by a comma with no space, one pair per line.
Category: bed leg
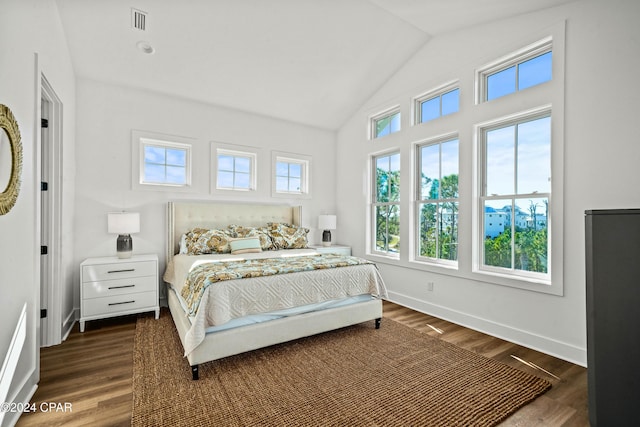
194,372
378,322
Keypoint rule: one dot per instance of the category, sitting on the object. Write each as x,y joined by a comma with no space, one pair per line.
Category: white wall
107,115
28,27
600,169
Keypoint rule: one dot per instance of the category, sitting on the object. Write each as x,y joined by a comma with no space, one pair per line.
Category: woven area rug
355,376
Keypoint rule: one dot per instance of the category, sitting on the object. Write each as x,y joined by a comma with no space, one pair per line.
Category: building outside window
516,194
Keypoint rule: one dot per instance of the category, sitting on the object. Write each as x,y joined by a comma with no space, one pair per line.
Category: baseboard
69,321
540,343
24,395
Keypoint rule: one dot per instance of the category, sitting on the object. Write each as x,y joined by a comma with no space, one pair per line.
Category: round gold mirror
10,159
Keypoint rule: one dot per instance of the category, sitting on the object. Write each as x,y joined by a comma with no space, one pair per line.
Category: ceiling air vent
138,19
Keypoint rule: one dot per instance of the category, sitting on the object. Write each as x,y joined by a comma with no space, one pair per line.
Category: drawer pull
122,287
119,303
121,271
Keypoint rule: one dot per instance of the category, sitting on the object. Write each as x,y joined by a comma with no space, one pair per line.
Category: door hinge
44,123
43,313
44,186
44,250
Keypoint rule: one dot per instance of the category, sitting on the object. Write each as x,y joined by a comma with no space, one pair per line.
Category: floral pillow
239,231
287,236
200,241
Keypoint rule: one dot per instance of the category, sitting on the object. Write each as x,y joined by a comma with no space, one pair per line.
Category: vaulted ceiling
313,62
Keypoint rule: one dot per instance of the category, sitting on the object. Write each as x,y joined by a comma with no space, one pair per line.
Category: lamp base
124,246
326,238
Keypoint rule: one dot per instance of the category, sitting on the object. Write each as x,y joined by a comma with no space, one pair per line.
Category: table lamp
123,224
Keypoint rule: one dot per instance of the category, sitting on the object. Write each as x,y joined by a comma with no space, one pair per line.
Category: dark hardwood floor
92,371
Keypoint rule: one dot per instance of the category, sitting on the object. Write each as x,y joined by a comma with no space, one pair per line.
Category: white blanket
237,298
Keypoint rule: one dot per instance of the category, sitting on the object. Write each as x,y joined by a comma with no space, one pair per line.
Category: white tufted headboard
183,216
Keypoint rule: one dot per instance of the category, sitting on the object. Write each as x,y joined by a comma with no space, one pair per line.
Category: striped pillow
245,245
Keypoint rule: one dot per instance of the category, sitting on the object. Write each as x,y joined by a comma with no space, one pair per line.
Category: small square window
291,175
236,170
164,163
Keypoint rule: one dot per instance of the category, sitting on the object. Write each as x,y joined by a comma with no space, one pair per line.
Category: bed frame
183,216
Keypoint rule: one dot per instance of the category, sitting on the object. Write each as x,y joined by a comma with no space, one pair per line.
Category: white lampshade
123,222
327,222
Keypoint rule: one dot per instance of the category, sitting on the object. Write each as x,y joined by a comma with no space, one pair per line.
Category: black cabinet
613,316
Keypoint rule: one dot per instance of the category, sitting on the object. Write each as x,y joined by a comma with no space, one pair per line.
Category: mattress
235,302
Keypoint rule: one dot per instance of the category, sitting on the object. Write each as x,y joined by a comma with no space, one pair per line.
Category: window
515,196
386,204
291,175
385,123
437,197
165,163
528,67
437,103
236,170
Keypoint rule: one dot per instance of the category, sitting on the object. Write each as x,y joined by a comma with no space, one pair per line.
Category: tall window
236,170
385,123
515,196
165,163
438,200
386,204
526,68
436,104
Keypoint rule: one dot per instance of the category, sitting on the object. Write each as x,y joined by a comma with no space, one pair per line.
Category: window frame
291,158
373,121
236,153
419,200
516,58
432,94
522,276
140,140
372,247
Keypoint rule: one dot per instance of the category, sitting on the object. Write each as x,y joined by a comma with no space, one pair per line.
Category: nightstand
111,286
333,249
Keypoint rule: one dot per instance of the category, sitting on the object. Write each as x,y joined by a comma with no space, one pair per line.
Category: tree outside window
386,204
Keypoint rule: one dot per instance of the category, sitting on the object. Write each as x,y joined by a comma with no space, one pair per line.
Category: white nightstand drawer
118,303
95,272
106,288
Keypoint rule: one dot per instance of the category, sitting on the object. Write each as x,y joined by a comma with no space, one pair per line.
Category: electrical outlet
430,286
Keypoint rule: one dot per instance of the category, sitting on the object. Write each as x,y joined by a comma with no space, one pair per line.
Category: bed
243,314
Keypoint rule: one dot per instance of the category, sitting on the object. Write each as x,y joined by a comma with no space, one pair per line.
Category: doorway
50,160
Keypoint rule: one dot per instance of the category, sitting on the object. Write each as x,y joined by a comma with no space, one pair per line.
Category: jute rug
356,376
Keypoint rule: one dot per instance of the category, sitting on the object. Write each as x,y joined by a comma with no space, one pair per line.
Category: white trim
373,119
555,348
52,324
514,58
305,184
549,282
417,200
140,139
218,150
433,93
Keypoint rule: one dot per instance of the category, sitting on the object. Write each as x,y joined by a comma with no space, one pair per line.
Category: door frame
49,211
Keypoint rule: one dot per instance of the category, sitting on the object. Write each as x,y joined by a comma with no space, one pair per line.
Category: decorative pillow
200,241
183,244
245,245
239,231
287,236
